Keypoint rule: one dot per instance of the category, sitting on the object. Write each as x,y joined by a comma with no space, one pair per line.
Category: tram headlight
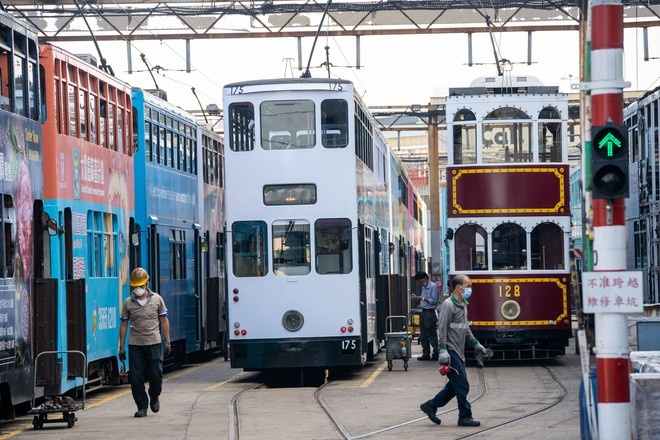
293,320
510,310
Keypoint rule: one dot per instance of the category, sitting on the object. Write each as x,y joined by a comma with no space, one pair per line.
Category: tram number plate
348,346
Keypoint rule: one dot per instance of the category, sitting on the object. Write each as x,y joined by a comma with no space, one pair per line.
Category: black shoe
430,413
468,421
141,413
434,357
424,357
155,405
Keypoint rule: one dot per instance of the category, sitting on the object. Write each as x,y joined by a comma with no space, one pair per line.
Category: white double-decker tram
321,225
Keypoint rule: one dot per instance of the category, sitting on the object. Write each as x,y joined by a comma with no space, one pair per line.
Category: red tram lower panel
521,316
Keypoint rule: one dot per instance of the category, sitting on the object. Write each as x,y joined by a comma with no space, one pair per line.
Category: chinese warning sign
612,292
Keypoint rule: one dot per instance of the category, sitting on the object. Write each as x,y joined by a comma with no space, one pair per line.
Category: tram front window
471,248
509,247
291,250
241,127
507,142
550,135
333,246
249,249
287,125
547,247
465,138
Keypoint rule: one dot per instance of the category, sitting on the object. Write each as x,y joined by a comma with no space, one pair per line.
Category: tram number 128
508,291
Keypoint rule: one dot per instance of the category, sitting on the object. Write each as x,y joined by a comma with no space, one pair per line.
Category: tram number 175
348,345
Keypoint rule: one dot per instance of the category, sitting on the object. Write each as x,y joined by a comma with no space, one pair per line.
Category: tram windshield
250,249
509,248
288,124
471,252
333,246
291,249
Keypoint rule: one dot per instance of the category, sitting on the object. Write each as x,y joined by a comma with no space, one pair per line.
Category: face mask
467,292
139,291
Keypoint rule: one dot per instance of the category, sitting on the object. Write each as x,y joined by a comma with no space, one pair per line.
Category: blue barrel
585,431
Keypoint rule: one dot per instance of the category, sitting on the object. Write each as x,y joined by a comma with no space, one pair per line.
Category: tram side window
509,247
7,244
291,249
547,247
334,123
5,103
471,248
178,254
288,125
241,126
465,137
333,246
249,249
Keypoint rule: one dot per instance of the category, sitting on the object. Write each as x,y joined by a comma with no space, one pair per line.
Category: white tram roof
274,84
505,84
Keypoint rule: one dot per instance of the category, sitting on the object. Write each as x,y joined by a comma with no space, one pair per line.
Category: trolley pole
609,233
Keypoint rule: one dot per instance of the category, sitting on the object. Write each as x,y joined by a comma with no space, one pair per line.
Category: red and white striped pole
609,239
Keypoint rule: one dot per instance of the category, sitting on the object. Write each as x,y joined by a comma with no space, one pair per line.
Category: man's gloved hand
443,357
168,348
481,349
122,354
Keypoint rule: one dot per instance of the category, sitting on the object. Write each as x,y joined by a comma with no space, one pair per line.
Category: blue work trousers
457,386
146,363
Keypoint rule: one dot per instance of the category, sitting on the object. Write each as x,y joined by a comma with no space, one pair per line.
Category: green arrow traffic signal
609,141
609,162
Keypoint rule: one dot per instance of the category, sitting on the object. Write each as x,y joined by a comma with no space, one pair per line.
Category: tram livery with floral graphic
508,213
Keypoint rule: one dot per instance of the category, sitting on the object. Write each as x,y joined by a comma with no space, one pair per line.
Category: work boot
430,413
155,405
468,421
424,357
434,357
141,413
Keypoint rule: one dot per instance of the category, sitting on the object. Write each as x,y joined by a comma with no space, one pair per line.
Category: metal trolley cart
397,343
57,404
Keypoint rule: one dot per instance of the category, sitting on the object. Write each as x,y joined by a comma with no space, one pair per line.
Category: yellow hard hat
139,277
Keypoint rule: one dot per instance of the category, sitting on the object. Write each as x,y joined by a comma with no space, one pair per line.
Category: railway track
323,404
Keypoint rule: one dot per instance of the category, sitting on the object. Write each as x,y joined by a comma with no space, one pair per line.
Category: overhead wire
212,96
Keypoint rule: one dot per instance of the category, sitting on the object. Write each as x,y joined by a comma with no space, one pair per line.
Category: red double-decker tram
508,213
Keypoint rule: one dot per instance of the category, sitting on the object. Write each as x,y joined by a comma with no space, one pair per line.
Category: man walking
428,328
147,314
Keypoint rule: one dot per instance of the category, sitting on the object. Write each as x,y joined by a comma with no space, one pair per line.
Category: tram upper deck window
287,124
333,246
465,137
250,249
291,249
505,140
550,135
334,123
241,126
470,248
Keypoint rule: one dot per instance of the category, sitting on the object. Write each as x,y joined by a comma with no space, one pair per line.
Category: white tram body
314,222
508,212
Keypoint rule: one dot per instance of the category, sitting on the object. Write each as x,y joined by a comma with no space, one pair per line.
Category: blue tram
170,236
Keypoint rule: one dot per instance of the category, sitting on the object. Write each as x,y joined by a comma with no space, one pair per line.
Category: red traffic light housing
609,162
